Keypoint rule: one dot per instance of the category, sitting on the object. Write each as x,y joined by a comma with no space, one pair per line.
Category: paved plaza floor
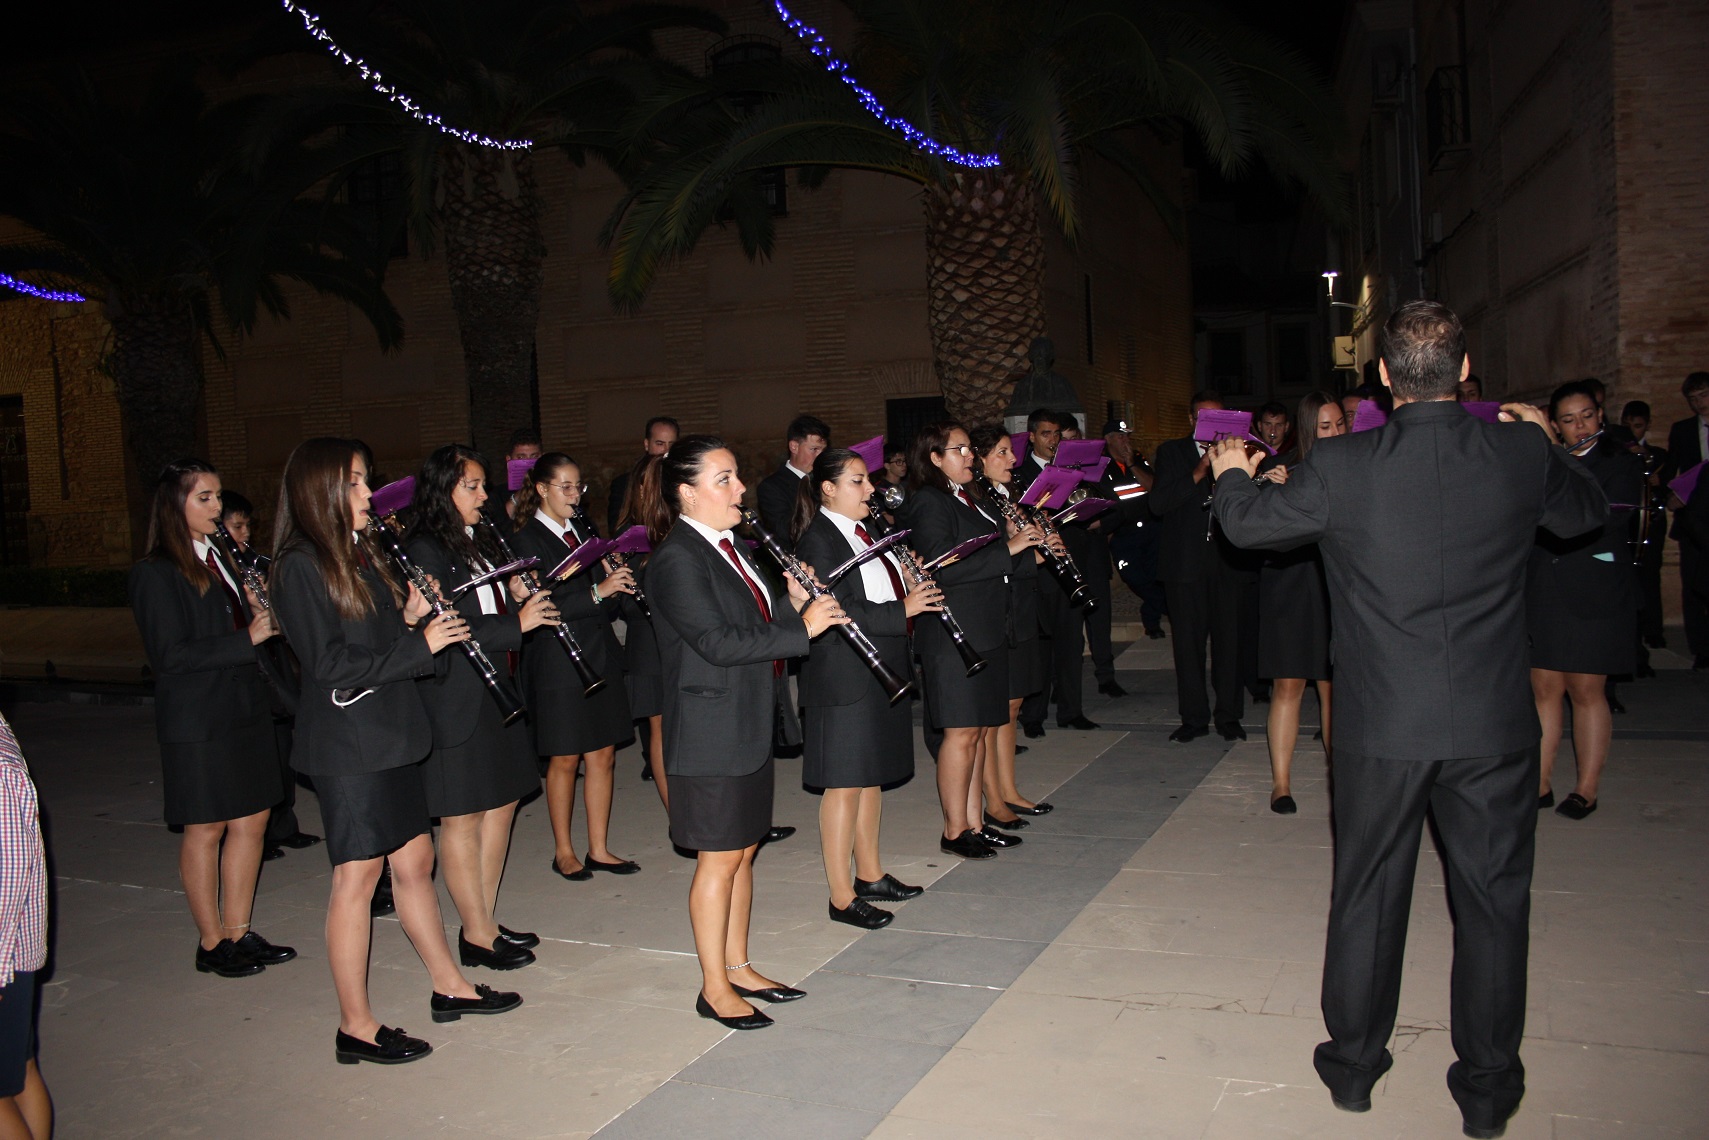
1145,965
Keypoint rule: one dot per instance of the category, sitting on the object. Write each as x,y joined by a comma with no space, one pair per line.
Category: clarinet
508,702
248,565
592,682
1061,565
894,687
969,656
620,561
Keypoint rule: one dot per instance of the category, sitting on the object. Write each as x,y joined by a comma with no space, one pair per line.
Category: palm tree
1046,85
537,70
146,208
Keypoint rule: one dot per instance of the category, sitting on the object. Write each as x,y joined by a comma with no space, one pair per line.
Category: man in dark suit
806,438
1687,446
1633,433
1206,579
1425,526
656,439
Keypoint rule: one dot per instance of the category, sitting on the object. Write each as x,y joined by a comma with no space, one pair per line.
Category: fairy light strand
311,23
818,46
26,288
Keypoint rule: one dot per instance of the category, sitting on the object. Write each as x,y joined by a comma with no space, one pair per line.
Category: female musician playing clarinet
362,734
573,729
856,740
723,638
642,673
480,767
941,515
212,714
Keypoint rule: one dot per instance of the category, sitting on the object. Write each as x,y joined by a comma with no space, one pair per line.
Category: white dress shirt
872,574
717,536
203,549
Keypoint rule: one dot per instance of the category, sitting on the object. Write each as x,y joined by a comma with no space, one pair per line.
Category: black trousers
1209,608
1098,618
1650,582
1486,817
1694,598
1136,562
1064,629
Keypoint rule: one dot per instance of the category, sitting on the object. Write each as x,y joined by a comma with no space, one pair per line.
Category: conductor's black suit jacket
1425,525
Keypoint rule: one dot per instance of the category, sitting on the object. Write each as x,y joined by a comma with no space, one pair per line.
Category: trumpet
1061,565
891,497
251,566
591,681
895,688
508,702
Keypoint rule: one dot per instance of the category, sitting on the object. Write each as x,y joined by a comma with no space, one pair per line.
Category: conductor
1425,526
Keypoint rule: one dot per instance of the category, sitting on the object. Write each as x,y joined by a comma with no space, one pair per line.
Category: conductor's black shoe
1575,806
1231,730
522,938
773,994
753,1019
1080,722
1188,732
999,838
1479,1132
390,1047
299,841
503,955
1546,800
1009,824
270,853
258,949
778,834
487,1000
968,845
1284,805
1034,729
887,889
858,913
227,961
1111,689
621,867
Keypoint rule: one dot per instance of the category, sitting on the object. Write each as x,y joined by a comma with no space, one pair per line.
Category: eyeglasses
566,488
962,450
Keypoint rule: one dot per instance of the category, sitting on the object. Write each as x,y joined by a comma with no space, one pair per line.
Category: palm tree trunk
985,287
494,255
156,365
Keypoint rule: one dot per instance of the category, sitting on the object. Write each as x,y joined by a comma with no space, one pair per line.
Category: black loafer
1012,824
1284,805
258,949
887,889
778,834
227,961
503,955
521,938
487,1000
1231,730
621,867
772,994
1040,808
968,845
1079,722
1033,728
753,1019
299,841
390,1047
1188,732
999,838
858,913
1546,800
1575,806
580,876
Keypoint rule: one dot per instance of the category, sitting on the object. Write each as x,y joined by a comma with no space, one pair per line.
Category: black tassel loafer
523,938
487,1000
887,889
390,1047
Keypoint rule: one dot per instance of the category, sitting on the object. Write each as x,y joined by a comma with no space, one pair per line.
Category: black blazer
1591,574
976,588
834,673
721,700
386,729
1425,525
776,496
545,665
1683,445
206,673
1183,520
454,693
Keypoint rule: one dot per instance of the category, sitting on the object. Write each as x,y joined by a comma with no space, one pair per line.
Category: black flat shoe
270,853
381,904
1231,730
503,955
1476,1132
1034,729
227,961
1040,808
1187,733
1284,805
1079,722
858,913
1020,750
1111,689
520,938
1617,707
258,949
299,841
1012,824
1575,806
621,867
753,1019
778,834
1546,800
887,889
968,845
390,1047
646,770
773,994
580,876
999,838
487,1000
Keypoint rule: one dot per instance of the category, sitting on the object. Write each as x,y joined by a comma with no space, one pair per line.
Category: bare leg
1323,702
709,903
1008,792
1593,730
741,911
597,780
1548,686
955,771
495,846
199,868
418,910
976,779
349,926
35,1103
1282,727
460,856
868,867
240,867
838,809
561,809
656,758
13,1126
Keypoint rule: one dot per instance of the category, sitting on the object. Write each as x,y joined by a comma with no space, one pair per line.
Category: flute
591,681
1061,565
969,656
895,688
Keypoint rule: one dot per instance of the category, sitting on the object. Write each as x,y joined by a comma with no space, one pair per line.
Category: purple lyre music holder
871,452
1489,411
961,550
496,574
1686,482
392,498
1212,424
865,556
1079,455
581,558
1083,510
1369,416
1051,488
1018,444
631,541
516,473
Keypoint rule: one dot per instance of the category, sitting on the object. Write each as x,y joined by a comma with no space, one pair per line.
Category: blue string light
818,46
25,287
311,23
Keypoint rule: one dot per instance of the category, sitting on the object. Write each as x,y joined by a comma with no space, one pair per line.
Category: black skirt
1293,617
645,674
955,700
494,767
233,775
862,745
1026,668
721,813
370,814
1596,645
567,723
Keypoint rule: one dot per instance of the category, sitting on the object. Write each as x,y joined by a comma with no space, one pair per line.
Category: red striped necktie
238,620
729,549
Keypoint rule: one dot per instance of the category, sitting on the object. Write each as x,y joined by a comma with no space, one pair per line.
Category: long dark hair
169,538
645,473
827,468
932,440
314,514
984,439
545,470
1305,419
434,514
659,504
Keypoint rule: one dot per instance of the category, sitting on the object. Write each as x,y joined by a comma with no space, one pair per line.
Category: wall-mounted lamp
1329,276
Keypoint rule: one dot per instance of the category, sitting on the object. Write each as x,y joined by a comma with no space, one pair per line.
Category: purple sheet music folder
393,497
1051,488
1369,416
1686,483
1213,424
